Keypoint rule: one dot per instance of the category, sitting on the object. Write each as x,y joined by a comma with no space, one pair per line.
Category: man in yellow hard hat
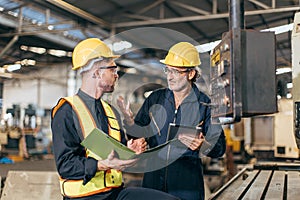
83,175
184,105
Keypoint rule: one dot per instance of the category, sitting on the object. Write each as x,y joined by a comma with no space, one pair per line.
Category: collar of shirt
95,107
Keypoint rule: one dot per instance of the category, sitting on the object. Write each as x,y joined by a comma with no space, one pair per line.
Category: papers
102,144
175,130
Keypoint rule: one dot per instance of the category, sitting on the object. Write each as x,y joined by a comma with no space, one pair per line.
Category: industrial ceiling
45,31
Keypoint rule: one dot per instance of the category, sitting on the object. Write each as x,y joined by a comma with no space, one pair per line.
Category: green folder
102,144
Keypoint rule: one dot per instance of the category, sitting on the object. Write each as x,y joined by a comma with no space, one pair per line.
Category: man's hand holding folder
113,162
137,145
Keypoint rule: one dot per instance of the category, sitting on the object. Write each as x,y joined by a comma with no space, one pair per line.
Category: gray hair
89,65
197,74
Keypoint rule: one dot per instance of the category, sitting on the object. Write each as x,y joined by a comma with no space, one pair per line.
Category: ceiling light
119,46
27,62
13,67
50,27
37,50
289,95
69,54
13,13
127,62
283,70
58,53
207,47
280,29
24,48
289,85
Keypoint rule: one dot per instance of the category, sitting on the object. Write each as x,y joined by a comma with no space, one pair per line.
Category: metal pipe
16,37
7,47
236,14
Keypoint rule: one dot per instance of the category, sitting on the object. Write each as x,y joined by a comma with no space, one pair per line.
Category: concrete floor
46,163
28,165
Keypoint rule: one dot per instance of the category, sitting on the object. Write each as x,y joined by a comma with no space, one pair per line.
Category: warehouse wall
41,88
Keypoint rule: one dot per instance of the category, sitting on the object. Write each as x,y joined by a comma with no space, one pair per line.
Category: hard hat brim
164,62
113,56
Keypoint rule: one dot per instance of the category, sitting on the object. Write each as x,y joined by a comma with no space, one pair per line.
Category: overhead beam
202,17
133,16
149,7
81,13
274,3
262,5
58,39
214,6
9,45
190,8
34,32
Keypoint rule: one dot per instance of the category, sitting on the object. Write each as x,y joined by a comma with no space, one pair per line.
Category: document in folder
102,144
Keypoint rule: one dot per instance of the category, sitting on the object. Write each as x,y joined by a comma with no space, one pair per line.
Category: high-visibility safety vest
103,180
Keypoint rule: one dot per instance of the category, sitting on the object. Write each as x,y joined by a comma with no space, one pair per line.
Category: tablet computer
176,129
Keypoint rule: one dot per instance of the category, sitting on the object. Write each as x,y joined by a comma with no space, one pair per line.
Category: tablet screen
176,129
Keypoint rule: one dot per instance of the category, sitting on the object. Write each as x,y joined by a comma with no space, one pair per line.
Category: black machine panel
243,75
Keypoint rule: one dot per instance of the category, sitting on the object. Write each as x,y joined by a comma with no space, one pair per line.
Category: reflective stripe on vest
114,128
103,180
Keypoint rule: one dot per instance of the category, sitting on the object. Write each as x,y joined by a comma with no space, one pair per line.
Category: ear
191,75
96,74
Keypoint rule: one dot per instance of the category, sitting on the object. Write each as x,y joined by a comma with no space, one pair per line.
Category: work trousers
131,193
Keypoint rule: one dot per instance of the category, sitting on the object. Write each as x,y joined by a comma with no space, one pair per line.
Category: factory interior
250,68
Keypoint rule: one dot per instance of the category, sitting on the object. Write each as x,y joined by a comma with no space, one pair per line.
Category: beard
108,88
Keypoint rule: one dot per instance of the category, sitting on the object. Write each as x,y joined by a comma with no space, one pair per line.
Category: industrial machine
240,89
242,71
21,130
238,82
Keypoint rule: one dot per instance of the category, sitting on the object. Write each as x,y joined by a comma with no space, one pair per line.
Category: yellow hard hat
182,54
89,49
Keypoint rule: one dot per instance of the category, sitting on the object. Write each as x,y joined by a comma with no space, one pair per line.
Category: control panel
220,74
243,75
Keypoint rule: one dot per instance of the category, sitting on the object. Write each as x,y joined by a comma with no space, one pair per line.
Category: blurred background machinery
26,130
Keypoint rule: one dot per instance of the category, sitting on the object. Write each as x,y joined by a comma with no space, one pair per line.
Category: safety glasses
114,68
175,72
